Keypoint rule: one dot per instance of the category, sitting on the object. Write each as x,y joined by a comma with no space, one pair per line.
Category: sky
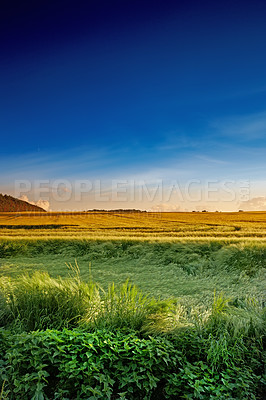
156,105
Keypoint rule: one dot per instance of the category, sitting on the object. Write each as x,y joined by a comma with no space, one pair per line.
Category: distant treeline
11,204
128,210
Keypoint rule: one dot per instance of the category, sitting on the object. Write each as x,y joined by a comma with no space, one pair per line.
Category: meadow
137,225
132,305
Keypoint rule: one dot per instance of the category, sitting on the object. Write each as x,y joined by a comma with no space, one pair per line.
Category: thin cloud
247,127
164,207
254,204
61,164
212,160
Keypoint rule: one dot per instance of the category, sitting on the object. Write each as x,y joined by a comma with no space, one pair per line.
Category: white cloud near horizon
164,207
254,204
45,204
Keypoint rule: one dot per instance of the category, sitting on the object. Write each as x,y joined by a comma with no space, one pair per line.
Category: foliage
138,348
74,364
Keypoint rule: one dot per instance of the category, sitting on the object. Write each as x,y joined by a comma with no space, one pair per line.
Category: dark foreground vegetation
64,336
66,339
75,364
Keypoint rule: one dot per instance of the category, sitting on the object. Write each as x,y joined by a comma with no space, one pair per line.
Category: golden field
135,225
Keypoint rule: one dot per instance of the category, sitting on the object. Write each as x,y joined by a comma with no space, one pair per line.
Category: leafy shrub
138,348
199,381
73,364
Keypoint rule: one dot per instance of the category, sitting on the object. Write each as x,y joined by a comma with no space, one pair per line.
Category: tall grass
122,306
189,271
224,340
38,301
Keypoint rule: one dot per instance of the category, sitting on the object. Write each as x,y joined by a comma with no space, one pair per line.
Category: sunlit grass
138,226
38,301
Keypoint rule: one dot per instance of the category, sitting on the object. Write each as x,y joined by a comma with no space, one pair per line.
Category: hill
11,204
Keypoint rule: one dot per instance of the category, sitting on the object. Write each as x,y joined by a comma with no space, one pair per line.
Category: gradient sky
121,94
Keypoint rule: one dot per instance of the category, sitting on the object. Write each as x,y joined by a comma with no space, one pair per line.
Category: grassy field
190,271
184,255
200,291
139,226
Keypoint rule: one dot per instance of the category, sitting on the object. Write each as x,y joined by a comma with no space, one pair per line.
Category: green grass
189,271
36,302
201,304
124,344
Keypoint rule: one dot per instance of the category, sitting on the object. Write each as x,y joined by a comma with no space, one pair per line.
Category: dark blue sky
131,88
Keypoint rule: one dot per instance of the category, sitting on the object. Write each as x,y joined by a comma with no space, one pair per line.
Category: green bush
123,344
73,364
199,381
79,365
